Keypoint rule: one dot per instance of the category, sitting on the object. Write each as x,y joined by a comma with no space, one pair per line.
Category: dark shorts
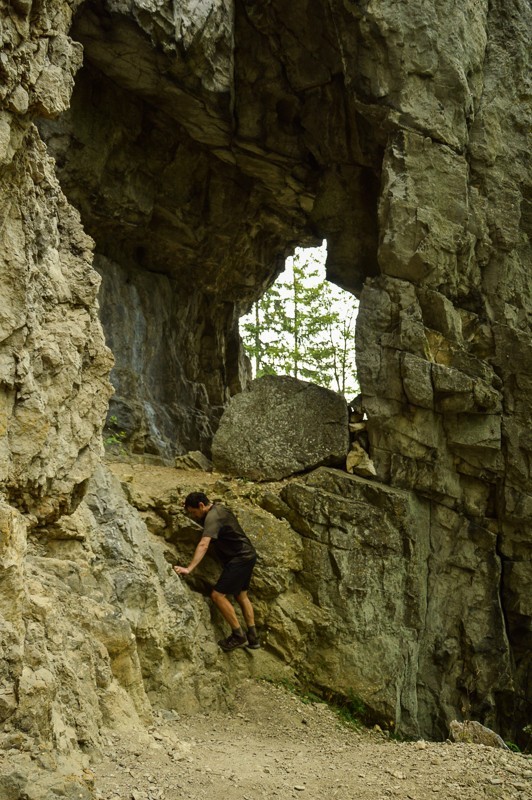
235,578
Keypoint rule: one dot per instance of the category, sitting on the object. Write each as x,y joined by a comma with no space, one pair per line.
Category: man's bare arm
201,549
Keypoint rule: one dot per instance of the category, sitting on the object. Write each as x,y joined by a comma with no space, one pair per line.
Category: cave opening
197,176
304,326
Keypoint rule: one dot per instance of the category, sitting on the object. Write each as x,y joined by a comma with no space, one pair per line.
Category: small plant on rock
114,441
351,710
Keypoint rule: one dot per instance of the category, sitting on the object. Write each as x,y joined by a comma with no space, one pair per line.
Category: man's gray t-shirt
230,542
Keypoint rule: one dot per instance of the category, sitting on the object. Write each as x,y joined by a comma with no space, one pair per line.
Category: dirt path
273,745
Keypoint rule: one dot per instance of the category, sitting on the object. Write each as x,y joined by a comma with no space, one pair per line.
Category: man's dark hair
194,499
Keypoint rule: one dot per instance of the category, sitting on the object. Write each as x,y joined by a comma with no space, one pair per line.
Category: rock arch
201,145
197,164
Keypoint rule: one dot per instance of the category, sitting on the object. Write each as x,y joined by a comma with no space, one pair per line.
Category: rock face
381,562
129,637
281,426
351,591
54,364
197,147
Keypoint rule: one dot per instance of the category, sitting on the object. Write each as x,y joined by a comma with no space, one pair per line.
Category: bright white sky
315,257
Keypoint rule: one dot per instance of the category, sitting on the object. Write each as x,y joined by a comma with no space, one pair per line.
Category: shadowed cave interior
195,197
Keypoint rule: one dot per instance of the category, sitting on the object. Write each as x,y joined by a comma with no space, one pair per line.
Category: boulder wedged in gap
279,427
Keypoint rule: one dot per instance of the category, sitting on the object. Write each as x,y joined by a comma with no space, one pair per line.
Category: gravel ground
271,744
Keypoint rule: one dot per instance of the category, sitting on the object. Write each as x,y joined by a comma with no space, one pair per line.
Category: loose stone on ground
272,744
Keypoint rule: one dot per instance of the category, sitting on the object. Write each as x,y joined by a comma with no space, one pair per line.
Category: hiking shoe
253,642
232,642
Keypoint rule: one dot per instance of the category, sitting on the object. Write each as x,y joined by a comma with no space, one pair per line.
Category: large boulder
279,427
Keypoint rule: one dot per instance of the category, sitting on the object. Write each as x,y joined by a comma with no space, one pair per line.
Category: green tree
296,328
262,333
342,338
307,320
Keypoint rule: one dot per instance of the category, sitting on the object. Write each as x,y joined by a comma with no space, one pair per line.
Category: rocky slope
197,144
297,749
134,644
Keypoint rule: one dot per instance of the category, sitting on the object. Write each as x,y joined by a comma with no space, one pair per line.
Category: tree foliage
301,327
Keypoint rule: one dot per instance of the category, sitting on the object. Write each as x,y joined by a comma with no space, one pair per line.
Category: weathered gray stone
356,536
472,732
12,785
439,313
417,380
450,381
408,246
53,362
281,426
193,460
431,477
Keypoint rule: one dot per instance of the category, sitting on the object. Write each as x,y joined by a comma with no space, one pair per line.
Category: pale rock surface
474,733
53,360
193,460
281,426
130,637
359,462
54,364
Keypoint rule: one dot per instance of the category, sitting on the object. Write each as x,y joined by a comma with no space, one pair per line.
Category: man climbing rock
238,557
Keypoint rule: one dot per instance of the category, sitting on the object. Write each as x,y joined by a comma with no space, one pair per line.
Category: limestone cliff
197,144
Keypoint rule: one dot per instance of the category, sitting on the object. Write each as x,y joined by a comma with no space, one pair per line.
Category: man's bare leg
238,638
225,607
247,609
